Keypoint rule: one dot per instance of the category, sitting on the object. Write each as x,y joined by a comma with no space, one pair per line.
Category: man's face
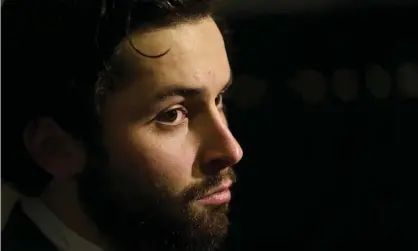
167,145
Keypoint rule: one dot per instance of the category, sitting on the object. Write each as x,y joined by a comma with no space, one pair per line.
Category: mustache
209,183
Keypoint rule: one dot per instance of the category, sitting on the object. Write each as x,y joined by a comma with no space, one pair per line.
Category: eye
172,117
219,99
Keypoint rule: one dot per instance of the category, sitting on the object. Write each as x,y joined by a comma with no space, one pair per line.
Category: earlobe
53,149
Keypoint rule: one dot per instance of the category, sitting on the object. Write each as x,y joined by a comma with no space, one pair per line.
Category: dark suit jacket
21,234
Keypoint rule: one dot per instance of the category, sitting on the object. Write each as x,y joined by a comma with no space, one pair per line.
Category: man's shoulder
21,234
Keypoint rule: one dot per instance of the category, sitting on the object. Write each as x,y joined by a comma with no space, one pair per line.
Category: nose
220,148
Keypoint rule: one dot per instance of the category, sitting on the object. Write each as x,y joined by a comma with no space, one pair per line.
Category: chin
212,218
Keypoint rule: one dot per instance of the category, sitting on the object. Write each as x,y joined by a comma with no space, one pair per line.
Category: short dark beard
131,219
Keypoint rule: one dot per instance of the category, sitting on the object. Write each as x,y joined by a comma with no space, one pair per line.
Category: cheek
168,159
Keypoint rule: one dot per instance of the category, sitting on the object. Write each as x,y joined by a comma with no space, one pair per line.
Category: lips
221,195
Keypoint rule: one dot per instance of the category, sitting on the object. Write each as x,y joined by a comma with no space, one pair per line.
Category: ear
53,149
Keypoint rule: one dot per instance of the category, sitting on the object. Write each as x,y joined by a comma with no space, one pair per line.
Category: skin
193,140
156,144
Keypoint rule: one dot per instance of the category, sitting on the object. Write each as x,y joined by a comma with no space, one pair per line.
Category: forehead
196,57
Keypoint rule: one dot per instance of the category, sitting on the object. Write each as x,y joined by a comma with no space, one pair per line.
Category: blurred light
378,81
345,85
407,78
248,91
311,85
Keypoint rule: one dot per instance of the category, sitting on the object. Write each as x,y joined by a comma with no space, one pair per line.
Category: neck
64,203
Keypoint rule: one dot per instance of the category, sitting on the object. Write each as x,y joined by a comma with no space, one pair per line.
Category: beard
141,212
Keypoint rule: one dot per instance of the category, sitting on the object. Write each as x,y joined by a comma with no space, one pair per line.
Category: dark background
329,174
321,172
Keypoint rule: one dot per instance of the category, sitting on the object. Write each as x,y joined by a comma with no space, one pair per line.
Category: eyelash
160,117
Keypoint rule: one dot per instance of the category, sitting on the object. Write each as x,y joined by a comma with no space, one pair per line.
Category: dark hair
53,54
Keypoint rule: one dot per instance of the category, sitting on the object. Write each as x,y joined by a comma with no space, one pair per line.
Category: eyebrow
177,90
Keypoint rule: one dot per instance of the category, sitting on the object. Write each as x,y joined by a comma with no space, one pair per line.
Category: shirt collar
54,229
